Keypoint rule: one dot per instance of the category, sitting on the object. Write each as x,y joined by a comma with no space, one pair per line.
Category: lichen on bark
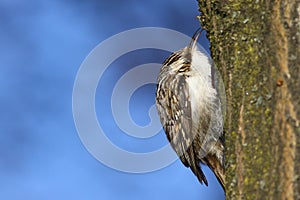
255,46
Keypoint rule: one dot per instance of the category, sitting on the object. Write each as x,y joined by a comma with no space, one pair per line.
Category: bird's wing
174,108
173,103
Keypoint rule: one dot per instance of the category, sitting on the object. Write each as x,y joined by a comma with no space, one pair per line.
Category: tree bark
256,47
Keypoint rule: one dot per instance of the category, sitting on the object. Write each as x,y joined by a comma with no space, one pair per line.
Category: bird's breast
201,95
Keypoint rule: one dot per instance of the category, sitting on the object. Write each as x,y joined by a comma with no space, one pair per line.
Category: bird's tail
217,167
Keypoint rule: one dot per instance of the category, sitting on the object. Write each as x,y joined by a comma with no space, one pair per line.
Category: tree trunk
256,47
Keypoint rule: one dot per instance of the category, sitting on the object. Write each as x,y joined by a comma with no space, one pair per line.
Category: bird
189,108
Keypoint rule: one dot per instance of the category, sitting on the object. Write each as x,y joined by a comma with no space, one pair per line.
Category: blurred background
42,45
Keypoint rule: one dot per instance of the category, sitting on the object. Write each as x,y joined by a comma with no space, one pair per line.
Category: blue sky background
42,45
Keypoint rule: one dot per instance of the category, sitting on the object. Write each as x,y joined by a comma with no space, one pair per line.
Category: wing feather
174,107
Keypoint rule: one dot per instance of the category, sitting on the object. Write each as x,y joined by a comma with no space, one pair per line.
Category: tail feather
217,168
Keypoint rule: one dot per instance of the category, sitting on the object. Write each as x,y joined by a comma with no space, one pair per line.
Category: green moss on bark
247,50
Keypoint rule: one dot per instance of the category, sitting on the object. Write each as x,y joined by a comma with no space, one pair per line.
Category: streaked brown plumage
190,110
